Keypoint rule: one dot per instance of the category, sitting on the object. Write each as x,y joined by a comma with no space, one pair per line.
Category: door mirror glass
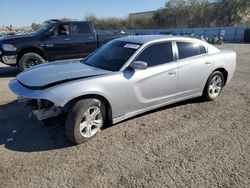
141,65
51,33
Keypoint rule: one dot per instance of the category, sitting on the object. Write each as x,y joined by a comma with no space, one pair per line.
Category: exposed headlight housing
46,103
9,47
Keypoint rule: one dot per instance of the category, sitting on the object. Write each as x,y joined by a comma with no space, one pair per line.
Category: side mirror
141,65
50,33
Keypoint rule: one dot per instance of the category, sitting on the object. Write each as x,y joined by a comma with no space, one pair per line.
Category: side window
80,28
157,54
202,49
62,29
55,30
187,49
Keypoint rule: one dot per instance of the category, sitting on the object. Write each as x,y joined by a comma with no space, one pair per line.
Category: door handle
91,38
172,73
67,39
208,63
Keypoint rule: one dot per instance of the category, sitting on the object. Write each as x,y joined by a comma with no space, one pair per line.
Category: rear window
188,49
202,49
80,28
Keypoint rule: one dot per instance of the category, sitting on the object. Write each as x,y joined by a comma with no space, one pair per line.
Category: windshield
112,56
43,28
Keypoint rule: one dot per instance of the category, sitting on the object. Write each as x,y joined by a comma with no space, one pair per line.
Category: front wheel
29,60
213,86
85,120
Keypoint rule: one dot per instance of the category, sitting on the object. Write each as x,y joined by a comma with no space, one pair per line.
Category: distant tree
140,23
231,12
209,14
66,19
201,13
177,12
159,19
107,23
10,28
246,21
90,17
35,26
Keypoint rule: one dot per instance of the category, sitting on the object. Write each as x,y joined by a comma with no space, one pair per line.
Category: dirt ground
189,144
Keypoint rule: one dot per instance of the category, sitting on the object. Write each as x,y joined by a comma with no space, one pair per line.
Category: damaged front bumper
40,109
39,101
42,114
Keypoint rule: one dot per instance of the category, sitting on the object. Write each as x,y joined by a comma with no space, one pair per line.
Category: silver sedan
124,78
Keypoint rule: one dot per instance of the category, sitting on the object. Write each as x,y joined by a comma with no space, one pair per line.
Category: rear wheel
29,60
213,86
85,120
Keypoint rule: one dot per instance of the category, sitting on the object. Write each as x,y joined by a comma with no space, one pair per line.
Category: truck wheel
29,60
85,120
213,86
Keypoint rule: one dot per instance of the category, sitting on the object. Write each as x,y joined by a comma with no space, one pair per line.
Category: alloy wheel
91,122
215,86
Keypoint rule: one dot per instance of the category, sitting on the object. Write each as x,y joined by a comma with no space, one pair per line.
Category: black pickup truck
55,40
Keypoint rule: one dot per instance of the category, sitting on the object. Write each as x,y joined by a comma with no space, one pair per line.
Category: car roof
148,39
142,39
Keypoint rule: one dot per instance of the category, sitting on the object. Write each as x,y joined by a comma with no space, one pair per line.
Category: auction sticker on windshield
133,46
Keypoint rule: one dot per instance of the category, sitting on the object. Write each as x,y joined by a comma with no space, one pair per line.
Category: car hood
15,37
58,72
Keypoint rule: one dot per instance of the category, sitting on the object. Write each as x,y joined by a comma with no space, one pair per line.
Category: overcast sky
24,12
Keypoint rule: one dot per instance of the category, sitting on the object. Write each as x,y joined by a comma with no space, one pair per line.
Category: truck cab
55,40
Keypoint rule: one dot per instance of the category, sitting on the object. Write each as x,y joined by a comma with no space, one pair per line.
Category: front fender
17,88
110,87
29,48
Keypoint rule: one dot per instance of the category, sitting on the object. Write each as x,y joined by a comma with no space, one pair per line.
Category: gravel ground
189,144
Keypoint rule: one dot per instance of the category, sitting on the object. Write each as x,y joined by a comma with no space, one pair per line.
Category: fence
234,34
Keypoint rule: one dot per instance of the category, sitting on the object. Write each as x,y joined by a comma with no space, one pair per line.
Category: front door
59,45
158,83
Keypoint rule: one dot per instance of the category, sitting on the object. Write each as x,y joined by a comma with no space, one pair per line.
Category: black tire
29,60
75,116
206,91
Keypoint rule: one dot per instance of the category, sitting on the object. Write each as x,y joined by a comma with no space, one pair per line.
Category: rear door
83,39
195,66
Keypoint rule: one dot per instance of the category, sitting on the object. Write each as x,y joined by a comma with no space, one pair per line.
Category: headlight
46,103
8,47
